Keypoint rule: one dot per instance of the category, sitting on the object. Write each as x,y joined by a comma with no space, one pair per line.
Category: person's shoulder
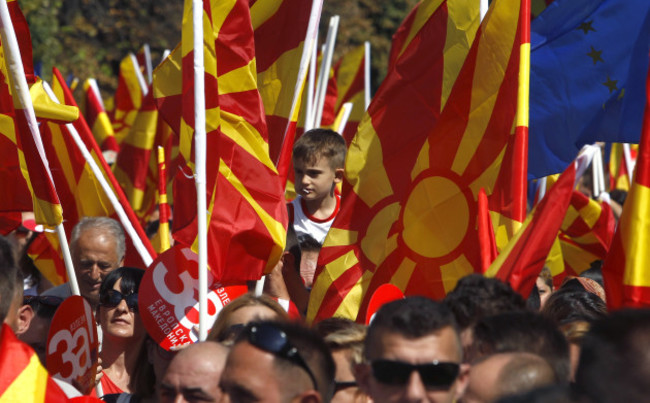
62,291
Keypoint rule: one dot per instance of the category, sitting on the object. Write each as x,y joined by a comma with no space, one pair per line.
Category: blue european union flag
589,62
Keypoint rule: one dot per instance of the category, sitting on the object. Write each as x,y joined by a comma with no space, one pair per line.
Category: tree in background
366,20
88,38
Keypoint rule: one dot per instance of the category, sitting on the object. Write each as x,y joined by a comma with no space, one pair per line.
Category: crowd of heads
483,342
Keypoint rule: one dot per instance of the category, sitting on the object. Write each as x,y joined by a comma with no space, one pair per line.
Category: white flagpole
147,63
346,109
366,76
311,82
483,8
324,73
138,74
124,219
200,160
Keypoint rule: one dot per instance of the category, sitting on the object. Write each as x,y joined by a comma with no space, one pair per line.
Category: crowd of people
482,343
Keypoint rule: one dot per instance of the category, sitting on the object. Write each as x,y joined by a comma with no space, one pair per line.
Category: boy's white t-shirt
306,224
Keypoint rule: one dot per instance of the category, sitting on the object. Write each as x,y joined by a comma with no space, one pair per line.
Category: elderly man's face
94,256
441,346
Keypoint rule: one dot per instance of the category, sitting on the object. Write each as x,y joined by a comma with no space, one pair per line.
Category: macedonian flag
18,122
97,117
280,40
131,89
414,225
626,271
247,213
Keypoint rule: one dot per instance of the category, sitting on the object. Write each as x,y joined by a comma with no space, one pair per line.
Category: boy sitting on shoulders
318,161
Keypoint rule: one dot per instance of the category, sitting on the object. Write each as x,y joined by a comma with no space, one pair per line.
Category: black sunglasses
48,300
439,375
269,338
112,298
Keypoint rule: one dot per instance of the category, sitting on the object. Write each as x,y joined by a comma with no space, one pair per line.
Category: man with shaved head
193,375
506,374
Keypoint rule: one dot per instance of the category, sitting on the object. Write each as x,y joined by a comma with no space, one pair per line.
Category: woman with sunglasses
122,353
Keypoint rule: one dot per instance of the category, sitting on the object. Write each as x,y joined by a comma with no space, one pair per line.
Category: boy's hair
317,143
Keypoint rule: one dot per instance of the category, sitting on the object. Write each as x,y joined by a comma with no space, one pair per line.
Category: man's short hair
321,143
523,332
343,334
614,363
476,296
311,348
107,224
411,317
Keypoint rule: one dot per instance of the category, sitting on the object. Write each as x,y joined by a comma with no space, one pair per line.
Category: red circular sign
383,294
169,294
72,344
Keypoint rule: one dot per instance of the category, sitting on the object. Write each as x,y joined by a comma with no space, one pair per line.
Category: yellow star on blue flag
589,61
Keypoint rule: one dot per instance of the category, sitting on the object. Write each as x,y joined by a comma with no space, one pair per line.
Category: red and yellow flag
524,256
97,117
22,377
161,240
132,166
411,171
247,212
280,30
619,177
46,255
585,234
19,118
84,196
131,90
625,271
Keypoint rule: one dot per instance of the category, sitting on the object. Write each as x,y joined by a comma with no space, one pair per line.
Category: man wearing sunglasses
413,354
278,362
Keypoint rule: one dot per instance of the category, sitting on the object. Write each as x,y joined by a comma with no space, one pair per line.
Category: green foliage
89,38
367,20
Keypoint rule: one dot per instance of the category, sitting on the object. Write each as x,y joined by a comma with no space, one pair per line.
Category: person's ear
338,175
462,381
24,319
362,374
310,396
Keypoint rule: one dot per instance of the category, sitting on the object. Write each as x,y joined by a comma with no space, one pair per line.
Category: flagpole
483,8
163,206
311,81
138,74
200,162
342,118
366,76
629,165
14,64
282,162
324,73
147,63
119,210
